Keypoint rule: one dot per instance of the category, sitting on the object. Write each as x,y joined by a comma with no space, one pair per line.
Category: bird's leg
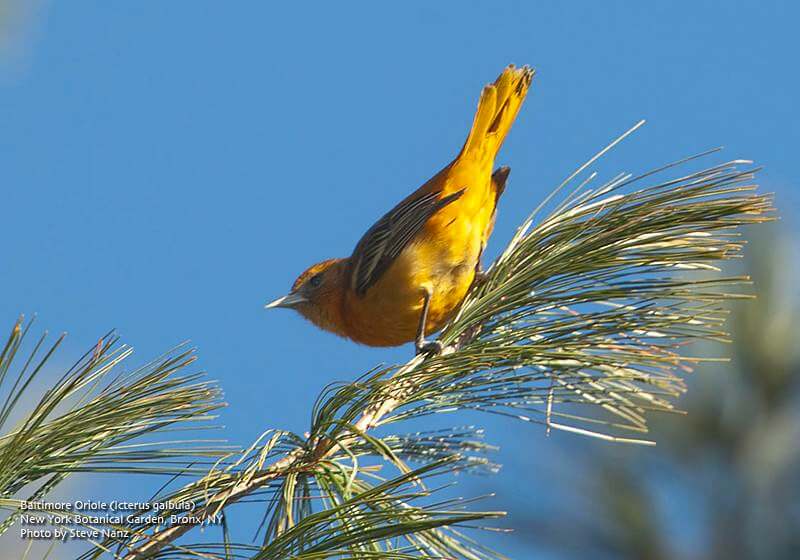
426,346
480,276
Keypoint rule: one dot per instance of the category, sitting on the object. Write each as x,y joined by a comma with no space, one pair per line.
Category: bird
411,270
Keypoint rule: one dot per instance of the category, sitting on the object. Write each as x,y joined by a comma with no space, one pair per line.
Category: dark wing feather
385,240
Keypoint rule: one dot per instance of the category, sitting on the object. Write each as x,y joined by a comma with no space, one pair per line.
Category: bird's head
317,294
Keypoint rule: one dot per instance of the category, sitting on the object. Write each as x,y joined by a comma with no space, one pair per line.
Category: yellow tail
497,109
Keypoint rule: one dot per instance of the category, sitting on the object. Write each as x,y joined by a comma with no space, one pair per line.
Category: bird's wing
385,240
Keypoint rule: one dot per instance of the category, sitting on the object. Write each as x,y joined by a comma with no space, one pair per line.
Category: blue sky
168,167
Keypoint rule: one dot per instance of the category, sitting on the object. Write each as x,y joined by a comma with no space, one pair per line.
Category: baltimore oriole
411,270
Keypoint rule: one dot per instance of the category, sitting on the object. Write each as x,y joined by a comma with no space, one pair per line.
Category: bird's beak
289,300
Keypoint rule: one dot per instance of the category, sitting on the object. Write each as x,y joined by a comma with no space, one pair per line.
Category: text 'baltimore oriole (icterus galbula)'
411,270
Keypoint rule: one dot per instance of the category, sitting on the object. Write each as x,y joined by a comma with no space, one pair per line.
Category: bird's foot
480,279
430,347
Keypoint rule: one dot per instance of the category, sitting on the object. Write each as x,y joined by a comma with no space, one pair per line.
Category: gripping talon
480,278
430,347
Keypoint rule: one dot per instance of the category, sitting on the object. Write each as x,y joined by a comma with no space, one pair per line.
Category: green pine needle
96,418
581,325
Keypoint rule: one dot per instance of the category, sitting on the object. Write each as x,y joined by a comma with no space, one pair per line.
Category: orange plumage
412,269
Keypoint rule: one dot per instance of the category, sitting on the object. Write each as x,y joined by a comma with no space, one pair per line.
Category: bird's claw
430,347
480,278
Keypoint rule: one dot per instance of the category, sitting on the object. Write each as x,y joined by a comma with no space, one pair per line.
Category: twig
297,460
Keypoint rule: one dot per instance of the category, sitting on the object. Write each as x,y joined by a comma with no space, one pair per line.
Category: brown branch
296,460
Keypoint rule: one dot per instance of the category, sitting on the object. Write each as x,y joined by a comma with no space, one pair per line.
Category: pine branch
583,319
97,418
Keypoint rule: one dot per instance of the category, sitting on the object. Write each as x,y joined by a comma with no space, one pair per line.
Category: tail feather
499,178
498,107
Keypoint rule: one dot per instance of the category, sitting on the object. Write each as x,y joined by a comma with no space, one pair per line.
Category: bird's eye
315,280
